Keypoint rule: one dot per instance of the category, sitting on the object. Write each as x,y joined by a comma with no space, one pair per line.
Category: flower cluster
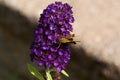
54,24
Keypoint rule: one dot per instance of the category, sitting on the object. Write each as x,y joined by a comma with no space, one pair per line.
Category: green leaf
49,77
34,72
64,73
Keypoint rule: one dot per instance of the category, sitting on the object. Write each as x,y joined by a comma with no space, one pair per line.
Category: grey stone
96,27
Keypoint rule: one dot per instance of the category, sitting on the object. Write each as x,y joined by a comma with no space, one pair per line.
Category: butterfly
68,39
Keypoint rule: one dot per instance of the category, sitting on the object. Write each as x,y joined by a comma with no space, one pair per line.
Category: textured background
96,25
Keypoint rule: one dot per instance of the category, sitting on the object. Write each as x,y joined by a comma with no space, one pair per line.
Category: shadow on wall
15,23
83,67
15,37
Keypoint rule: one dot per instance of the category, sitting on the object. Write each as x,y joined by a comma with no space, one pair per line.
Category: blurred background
97,27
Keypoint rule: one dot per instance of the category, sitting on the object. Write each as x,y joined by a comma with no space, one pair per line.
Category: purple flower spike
54,24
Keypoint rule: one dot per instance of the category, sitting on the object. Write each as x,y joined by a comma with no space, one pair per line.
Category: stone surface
96,26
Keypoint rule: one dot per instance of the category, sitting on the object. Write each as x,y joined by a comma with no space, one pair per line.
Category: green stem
49,77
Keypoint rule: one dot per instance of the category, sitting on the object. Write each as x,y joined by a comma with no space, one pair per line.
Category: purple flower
54,24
